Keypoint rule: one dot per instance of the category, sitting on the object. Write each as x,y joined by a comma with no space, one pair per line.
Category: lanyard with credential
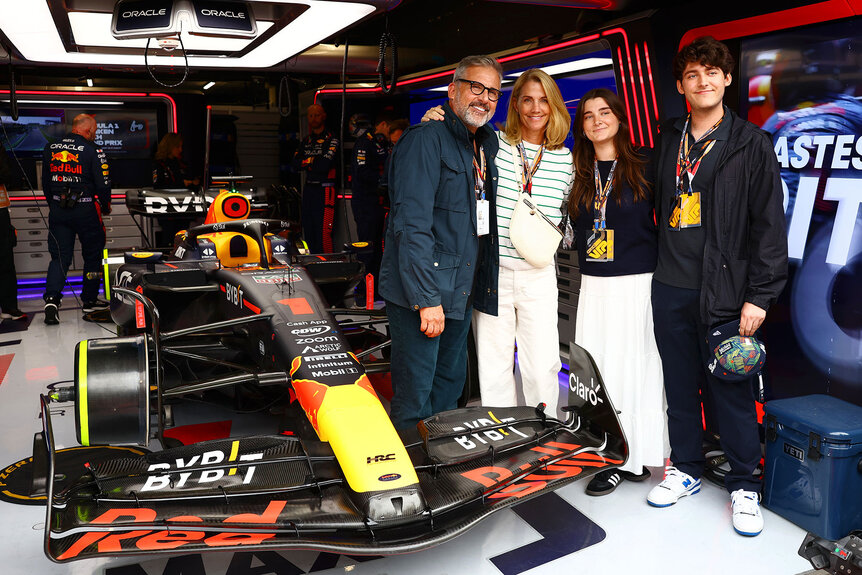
690,156
600,201
479,174
527,172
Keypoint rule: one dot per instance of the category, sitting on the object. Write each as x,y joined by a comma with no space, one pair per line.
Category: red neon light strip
88,94
173,107
39,198
509,58
804,15
651,84
643,93
565,44
626,97
631,77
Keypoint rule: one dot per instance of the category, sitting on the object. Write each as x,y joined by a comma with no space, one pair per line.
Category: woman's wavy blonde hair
559,121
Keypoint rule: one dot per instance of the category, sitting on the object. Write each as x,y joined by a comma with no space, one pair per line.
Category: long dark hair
630,167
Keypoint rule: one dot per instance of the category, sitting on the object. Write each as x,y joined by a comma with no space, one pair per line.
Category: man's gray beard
468,114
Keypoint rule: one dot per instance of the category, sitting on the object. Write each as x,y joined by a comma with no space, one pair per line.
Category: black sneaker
90,306
604,482
642,476
14,314
52,314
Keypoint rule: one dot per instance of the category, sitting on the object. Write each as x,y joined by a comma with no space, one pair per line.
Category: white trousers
526,314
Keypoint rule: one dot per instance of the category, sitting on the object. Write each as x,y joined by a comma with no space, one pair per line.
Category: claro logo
587,392
139,13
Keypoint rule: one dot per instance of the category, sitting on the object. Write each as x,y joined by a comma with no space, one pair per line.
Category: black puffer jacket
745,256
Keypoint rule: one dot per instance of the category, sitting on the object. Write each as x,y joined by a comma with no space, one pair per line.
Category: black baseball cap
734,357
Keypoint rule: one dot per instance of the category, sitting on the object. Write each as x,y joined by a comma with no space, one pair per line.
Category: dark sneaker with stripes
604,482
642,476
91,306
52,314
14,314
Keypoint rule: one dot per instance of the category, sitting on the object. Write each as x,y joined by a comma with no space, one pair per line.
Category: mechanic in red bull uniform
316,157
369,157
77,185
8,240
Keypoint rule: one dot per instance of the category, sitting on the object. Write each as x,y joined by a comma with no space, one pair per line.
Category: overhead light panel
70,102
209,85
573,66
30,27
93,30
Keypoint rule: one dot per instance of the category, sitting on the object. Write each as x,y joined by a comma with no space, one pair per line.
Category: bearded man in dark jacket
441,256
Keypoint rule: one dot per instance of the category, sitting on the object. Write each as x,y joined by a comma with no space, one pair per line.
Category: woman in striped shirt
532,158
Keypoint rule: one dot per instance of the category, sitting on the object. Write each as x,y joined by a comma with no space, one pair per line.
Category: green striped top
551,185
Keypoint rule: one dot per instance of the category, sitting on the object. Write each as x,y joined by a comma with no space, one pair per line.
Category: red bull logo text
67,168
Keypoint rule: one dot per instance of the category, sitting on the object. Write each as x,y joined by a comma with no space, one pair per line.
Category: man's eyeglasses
478,87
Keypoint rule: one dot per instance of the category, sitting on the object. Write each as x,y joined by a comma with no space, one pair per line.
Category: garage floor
561,532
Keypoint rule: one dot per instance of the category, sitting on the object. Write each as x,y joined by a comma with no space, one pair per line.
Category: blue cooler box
813,468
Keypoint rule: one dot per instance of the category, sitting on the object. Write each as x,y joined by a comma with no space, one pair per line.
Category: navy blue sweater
635,235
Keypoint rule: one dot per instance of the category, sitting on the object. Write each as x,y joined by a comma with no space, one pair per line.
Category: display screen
126,134
33,129
804,87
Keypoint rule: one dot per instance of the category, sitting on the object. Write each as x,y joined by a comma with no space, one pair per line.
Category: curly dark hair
706,51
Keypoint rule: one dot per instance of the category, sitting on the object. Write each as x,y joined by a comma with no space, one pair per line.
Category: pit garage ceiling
78,32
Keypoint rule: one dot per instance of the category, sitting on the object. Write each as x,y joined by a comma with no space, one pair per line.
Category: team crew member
169,169
77,186
722,255
443,227
369,157
8,239
171,172
396,129
316,157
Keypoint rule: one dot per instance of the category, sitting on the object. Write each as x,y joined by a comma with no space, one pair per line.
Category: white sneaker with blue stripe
747,518
676,484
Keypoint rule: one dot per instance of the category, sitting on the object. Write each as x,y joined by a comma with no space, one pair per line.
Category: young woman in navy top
611,207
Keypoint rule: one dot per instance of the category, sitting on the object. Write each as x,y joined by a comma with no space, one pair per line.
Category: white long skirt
614,323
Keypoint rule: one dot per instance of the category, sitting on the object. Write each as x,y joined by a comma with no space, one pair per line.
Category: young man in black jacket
722,256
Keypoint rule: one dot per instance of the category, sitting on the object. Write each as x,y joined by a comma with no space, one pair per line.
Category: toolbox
813,466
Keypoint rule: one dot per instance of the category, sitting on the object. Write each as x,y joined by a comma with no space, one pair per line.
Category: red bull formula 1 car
232,311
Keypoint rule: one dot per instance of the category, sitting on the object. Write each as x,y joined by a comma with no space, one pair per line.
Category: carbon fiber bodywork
271,325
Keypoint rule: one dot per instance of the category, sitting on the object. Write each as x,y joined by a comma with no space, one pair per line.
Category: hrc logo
379,458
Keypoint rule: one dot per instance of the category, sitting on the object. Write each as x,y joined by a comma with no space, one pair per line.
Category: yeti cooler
813,468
